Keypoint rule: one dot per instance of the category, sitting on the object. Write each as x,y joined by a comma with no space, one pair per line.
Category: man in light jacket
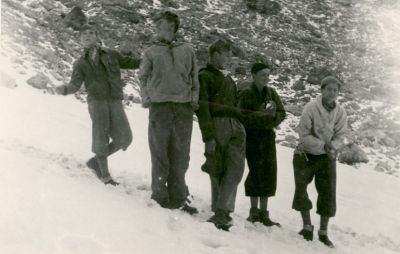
170,89
322,127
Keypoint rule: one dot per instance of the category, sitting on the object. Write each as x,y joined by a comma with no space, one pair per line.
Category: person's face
330,92
88,38
261,78
165,29
223,58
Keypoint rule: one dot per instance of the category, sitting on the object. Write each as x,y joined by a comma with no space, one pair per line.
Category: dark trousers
261,159
170,132
306,166
109,121
230,136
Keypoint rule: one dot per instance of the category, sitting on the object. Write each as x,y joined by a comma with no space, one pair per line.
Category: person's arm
77,78
195,82
203,113
144,74
280,112
127,61
309,142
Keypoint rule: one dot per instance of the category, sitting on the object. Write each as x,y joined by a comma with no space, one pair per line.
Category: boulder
382,166
264,6
75,18
39,81
317,74
352,154
299,85
294,109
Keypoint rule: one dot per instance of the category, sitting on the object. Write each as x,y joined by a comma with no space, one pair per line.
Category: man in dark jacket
264,112
99,69
169,87
223,134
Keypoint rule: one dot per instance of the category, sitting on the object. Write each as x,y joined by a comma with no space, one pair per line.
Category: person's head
330,87
167,24
88,36
260,73
220,53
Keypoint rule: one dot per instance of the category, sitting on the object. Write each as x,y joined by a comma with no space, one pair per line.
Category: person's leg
254,213
159,132
303,175
120,130
100,114
234,157
325,181
179,155
254,202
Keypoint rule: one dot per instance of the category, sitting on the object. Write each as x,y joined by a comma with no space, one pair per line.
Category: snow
52,203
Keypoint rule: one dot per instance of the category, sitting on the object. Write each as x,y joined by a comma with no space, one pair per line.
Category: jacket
168,73
218,98
102,81
254,103
317,126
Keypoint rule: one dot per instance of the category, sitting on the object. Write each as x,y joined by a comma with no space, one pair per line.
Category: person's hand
58,90
195,105
146,102
330,150
211,146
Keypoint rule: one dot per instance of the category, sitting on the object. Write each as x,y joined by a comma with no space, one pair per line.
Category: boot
221,220
112,182
189,209
307,232
264,219
323,237
254,215
94,165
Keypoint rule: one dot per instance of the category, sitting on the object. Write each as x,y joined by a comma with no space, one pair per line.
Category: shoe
189,209
266,221
112,182
307,233
221,220
254,215
94,165
325,240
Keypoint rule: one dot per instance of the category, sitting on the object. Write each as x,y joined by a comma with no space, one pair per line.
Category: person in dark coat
222,132
100,69
264,112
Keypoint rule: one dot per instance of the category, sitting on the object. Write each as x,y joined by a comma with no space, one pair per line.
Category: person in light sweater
321,130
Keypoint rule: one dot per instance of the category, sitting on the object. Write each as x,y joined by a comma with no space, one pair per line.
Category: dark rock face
264,6
75,18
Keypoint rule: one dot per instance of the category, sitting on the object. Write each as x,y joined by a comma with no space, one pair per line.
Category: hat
258,67
330,80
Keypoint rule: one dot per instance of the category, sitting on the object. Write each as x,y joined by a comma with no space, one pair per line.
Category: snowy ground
52,203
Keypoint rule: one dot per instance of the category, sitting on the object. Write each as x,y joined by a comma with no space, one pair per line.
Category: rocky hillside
304,40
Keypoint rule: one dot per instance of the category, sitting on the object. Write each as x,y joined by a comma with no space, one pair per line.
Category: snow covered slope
52,203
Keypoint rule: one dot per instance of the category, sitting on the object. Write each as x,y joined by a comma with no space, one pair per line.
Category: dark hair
87,26
330,80
169,16
259,66
219,46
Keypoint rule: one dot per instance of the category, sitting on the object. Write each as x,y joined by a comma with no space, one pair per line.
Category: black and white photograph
199,126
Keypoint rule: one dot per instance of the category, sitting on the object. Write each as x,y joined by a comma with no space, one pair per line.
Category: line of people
234,126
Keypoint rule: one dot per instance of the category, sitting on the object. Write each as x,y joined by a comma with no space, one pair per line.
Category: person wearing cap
321,130
222,132
264,112
99,68
169,87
